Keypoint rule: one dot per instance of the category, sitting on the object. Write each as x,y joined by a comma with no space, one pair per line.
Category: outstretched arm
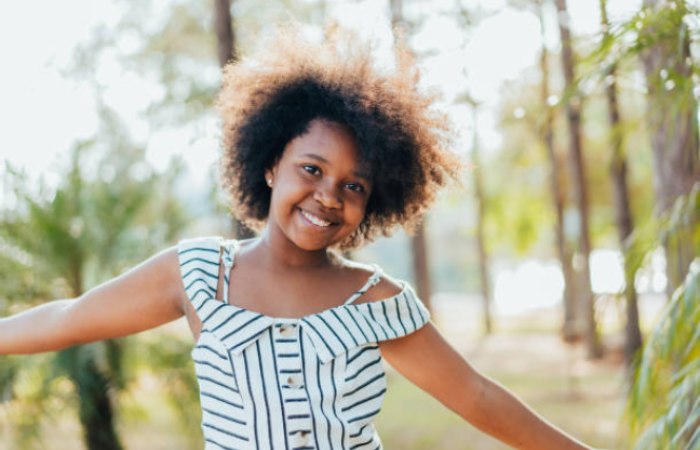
146,296
428,361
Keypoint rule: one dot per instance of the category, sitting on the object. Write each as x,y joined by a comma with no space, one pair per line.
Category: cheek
279,198
359,209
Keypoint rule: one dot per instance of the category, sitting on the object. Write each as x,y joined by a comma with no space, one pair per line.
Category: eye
311,169
355,187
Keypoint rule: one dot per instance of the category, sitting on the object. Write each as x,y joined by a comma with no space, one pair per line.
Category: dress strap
228,255
373,279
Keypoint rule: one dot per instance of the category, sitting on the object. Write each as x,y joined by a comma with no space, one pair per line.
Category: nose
327,195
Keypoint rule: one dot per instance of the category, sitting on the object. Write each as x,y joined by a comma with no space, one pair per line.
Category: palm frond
664,407
56,243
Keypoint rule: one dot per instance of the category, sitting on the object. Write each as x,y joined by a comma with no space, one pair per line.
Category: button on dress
314,382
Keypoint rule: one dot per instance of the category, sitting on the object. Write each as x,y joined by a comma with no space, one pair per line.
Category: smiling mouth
315,220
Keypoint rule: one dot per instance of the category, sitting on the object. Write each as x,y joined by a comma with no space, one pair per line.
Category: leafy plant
664,401
109,211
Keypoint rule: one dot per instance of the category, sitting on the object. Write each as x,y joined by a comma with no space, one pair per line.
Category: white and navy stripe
312,383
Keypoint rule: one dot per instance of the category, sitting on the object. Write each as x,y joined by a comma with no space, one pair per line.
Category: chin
314,245
308,241
311,246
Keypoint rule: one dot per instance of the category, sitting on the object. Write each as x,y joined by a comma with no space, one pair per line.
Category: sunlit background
45,110
90,85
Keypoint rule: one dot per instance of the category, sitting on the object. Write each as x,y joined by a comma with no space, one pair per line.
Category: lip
302,213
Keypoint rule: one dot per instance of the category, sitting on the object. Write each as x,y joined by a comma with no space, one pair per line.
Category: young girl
322,152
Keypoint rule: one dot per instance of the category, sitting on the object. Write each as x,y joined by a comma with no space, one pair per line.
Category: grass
584,399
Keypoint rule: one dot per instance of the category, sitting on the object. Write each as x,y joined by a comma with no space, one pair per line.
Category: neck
278,251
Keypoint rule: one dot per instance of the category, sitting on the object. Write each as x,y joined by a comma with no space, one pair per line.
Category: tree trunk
484,274
95,405
96,411
396,7
570,330
226,51
225,39
573,115
672,118
621,197
418,241
421,272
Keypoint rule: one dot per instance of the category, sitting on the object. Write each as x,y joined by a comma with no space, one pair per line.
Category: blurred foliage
109,211
664,404
519,209
173,45
663,408
165,357
647,28
106,213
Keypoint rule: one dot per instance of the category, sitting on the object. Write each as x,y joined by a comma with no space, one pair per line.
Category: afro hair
271,97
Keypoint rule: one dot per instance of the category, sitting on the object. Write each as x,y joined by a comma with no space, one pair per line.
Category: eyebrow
320,158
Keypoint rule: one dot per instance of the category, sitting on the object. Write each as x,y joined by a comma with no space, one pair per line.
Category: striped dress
315,382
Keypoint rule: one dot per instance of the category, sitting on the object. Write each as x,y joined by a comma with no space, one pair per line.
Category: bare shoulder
387,286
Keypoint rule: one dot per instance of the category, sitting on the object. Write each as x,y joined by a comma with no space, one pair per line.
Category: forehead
330,142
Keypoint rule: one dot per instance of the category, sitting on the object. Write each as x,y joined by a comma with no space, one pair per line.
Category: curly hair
268,100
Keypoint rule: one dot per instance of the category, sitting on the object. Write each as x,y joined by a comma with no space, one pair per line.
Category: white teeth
315,220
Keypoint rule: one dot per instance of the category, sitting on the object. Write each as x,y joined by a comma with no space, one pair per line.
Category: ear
270,175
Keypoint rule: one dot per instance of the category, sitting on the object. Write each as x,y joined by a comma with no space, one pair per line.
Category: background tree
580,189
621,196
664,46
477,175
662,405
668,370
663,410
570,331
419,244
105,215
484,270
226,51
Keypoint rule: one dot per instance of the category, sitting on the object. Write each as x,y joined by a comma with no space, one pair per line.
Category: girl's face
320,188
